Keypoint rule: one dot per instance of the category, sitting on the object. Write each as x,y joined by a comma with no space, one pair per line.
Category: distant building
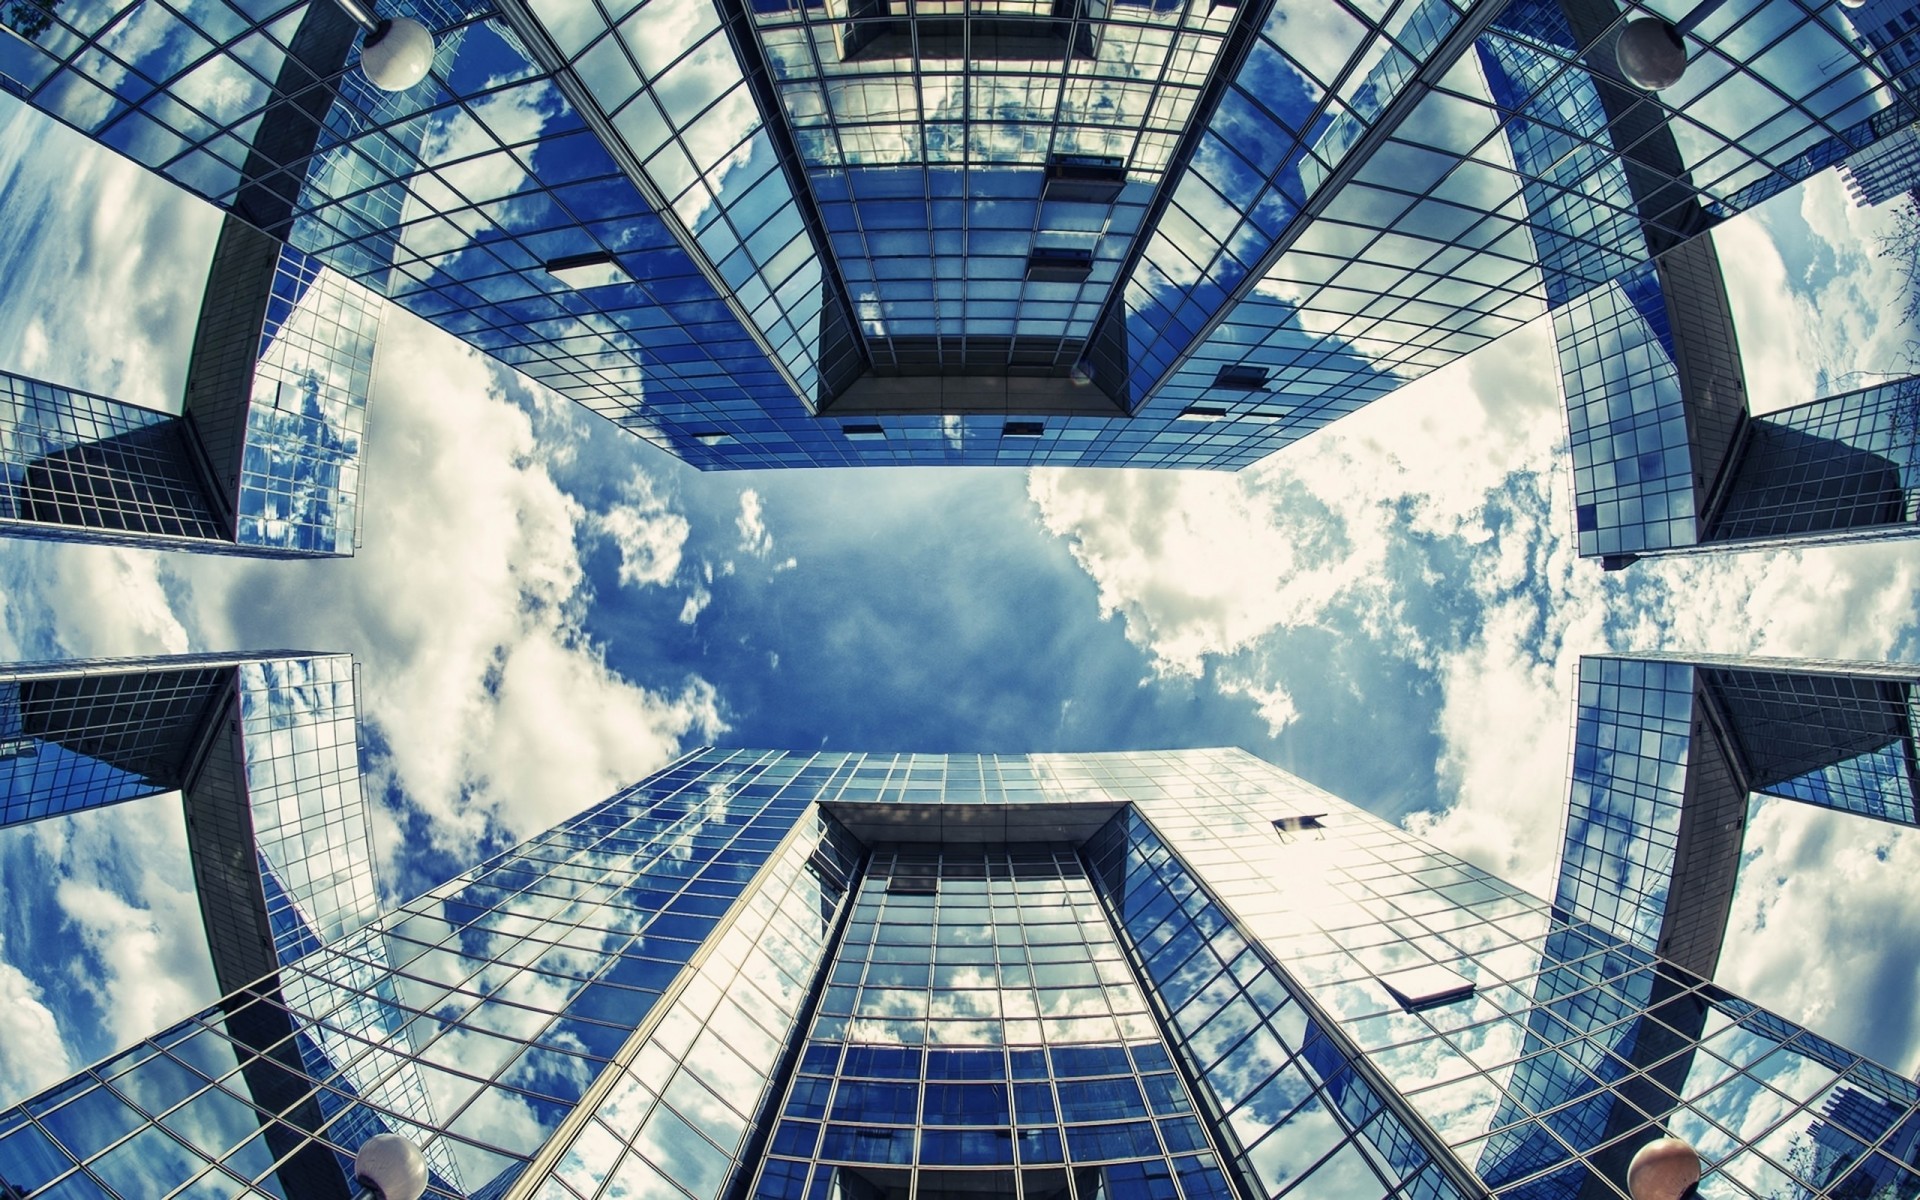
1180,974
1885,170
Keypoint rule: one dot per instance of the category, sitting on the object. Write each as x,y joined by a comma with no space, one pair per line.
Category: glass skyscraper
264,751
1668,750
1173,974
264,457
820,232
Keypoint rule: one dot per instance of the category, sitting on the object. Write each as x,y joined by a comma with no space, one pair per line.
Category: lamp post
390,1167
397,51
1664,1169
1652,52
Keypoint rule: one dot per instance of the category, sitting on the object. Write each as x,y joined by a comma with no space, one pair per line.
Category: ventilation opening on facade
1241,378
1059,264
1085,178
581,271
1202,412
1023,429
863,433
823,866
1287,827
1425,987
989,31
1042,1183
909,880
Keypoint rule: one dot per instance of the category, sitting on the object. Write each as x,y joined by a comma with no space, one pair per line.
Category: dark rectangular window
1085,178
1241,377
1059,264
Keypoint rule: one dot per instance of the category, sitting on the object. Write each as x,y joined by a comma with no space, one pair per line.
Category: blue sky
545,608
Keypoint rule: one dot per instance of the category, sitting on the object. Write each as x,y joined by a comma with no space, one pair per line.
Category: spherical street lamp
397,52
1665,1169
390,1167
1651,54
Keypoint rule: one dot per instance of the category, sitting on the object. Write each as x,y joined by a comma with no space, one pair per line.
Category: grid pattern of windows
677,933
1585,225
927,162
1344,205
307,411
981,1031
472,1019
1364,900
308,810
1301,1120
1632,462
267,457
500,174
1884,170
1841,741
1667,751
1632,737
78,465
1392,265
1847,464
71,740
276,815
680,1105
665,86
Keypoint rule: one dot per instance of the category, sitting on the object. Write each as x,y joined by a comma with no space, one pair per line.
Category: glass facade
1157,974
265,752
1666,456
1667,751
263,460
836,232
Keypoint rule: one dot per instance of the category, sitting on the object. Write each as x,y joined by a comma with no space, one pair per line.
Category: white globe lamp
390,1167
397,54
1664,1169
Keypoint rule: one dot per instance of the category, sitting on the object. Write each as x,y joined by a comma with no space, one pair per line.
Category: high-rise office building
815,232
1667,457
263,749
1669,749
1886,170
1171,974
263,458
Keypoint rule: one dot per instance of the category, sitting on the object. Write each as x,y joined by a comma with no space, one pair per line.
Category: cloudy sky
545,609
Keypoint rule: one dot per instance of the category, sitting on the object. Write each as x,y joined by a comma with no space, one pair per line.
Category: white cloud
32,1055
465,605
1825,913
112,310
129,928
752,524
1272,701
648,532
695,604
